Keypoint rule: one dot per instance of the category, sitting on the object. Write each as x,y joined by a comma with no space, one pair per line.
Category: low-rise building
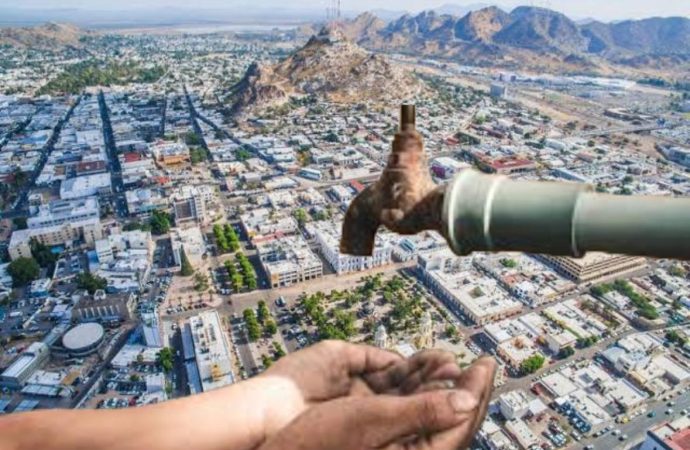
26,364
327,235
192,240
464,290
211,350
289,260
673,435
514,404
85,186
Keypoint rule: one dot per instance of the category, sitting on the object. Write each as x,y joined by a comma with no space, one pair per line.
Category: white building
26,364
514,404
85,186
124,260
211,351
327,235
193,203
463,289
59,212
87,230
192,240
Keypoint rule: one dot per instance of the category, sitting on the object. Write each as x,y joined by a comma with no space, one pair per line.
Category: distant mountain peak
48,35
329,65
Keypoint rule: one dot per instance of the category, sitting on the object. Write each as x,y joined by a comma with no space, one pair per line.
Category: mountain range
529,37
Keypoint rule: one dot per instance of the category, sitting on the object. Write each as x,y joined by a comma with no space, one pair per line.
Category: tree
91,282
134,378
332,137
160,222
221,239
253,329
266,361
165,358
200,282
278,350
301,216
677,271
566,352
42,254
270,327
532,364
677,338
263,312
247,270
186,268
23,271
132,226
231,238
508,263
237,282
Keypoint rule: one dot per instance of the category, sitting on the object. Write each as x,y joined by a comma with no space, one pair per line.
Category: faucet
492,213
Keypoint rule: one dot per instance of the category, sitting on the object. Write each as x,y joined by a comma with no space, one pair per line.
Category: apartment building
289,260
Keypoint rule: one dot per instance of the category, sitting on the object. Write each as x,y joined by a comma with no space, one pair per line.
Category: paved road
637,428
118,200
22,197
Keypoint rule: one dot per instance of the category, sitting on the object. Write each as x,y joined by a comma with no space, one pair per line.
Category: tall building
594,266
193,203
62,222
211,350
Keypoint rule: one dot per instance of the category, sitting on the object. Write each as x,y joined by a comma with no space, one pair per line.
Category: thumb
387,418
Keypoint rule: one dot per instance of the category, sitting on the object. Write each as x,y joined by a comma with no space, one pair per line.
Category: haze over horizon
606,11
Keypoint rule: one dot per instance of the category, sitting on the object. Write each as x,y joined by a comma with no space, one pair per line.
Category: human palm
353,396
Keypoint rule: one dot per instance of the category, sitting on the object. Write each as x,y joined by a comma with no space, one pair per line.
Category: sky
577,9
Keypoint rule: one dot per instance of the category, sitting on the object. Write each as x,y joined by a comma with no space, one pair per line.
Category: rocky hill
330,66
531,37
46,36
481,25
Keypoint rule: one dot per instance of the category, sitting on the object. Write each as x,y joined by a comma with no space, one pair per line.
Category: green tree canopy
91,282
532,364
160,222
186,268
23,271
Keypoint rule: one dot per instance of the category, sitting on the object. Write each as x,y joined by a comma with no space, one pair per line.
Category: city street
637,428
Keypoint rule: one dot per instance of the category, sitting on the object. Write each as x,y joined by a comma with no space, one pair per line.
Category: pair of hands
348,396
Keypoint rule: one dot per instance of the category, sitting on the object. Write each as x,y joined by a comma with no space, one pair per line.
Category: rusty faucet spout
404,199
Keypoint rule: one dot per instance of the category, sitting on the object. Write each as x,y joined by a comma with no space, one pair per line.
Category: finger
360,359
397,374
478,379
407,375
425,366
386,419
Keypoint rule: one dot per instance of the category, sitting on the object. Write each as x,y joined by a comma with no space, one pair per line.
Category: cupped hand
354,396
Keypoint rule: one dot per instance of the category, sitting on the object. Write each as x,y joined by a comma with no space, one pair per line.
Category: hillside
330,66
46,36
